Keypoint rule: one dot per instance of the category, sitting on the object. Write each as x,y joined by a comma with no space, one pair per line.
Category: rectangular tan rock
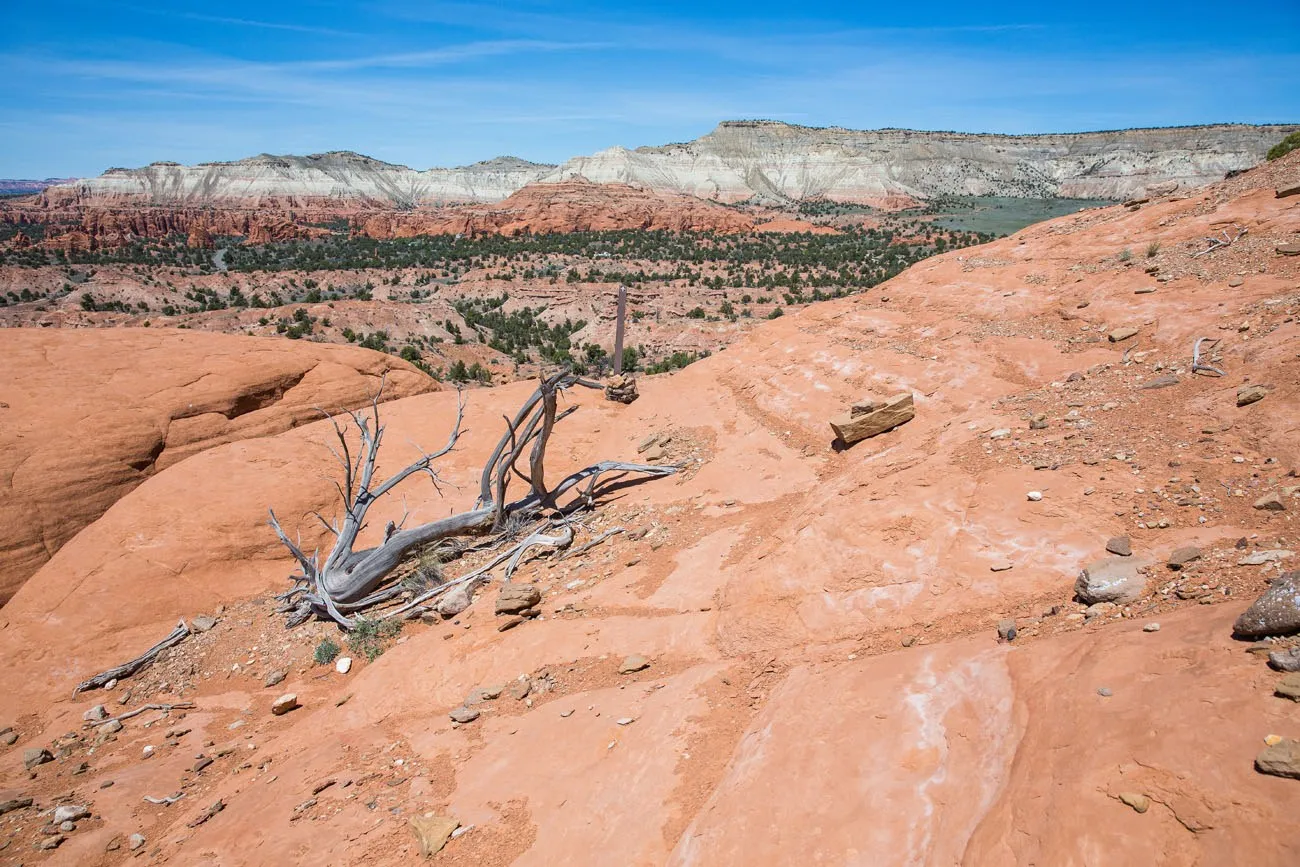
884,415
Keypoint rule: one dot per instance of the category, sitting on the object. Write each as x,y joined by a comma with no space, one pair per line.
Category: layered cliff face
316,180
767,160
739,160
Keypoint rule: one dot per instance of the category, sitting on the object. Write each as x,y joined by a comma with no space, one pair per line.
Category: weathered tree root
127,669
1197,367
349,582
1223,240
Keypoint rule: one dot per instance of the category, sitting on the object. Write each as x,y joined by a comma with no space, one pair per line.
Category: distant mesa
739,161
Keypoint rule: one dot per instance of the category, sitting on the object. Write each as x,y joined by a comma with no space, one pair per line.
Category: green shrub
369,638
1125,254
1152,249
1285,146
326,651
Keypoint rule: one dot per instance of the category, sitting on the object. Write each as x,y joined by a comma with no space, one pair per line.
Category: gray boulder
1275,612
1115,580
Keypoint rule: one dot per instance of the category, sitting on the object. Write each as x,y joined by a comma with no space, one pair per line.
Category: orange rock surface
826,683
86,417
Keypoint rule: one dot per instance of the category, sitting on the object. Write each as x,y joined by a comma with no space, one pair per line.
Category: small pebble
1034,496
1105,692
1151,627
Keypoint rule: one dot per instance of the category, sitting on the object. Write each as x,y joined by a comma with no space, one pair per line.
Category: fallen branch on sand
127,669
1197,367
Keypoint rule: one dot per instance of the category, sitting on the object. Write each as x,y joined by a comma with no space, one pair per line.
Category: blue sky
90,85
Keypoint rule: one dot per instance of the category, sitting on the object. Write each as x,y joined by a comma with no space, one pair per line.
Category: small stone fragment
1281,759
463,714
635,662
135,841
1162,381
1288,687
519,689
1034,496
14,804
1121,334
868,419
1259,558
111,727
34,756
1139,802
482,694
1249,394
432,832
203,623
275,678
1284,660
454,602
1120,545
67,827
1271,503
515,598
509,622
284,704
1007,629
1110,580
625,721
70,813
52,842
1105,692
1151,627
1182,556
343,664
1001,566
95,714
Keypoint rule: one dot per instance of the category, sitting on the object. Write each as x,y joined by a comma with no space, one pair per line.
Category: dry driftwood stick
1196,357
587,546
1222,241
166,802
184,705
127,669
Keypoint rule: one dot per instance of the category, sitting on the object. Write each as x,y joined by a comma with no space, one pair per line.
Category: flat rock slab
1275,612
1182,556
1259,558
432,833
1288,249
870,418
1121,334
1120,545
1284,660
1111,580
1288,687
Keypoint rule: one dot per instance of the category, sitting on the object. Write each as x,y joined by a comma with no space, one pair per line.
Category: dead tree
349,581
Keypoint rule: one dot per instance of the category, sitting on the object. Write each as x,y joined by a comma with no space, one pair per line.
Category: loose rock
203,623
1259,558
69,813
1034,496
1288,687
1110,581
1139,802
275,678
1249,394
343,665
871,417
1281,759
1151,627
515,598
1182,556
135,841
1284,660
454,602
635,662
36,756
1007,630
1271,503
284,704
1120,545
463,714
432,832
1275,612
95,714
1121,334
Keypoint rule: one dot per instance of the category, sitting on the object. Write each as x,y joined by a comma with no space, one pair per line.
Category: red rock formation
200,237
85,416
